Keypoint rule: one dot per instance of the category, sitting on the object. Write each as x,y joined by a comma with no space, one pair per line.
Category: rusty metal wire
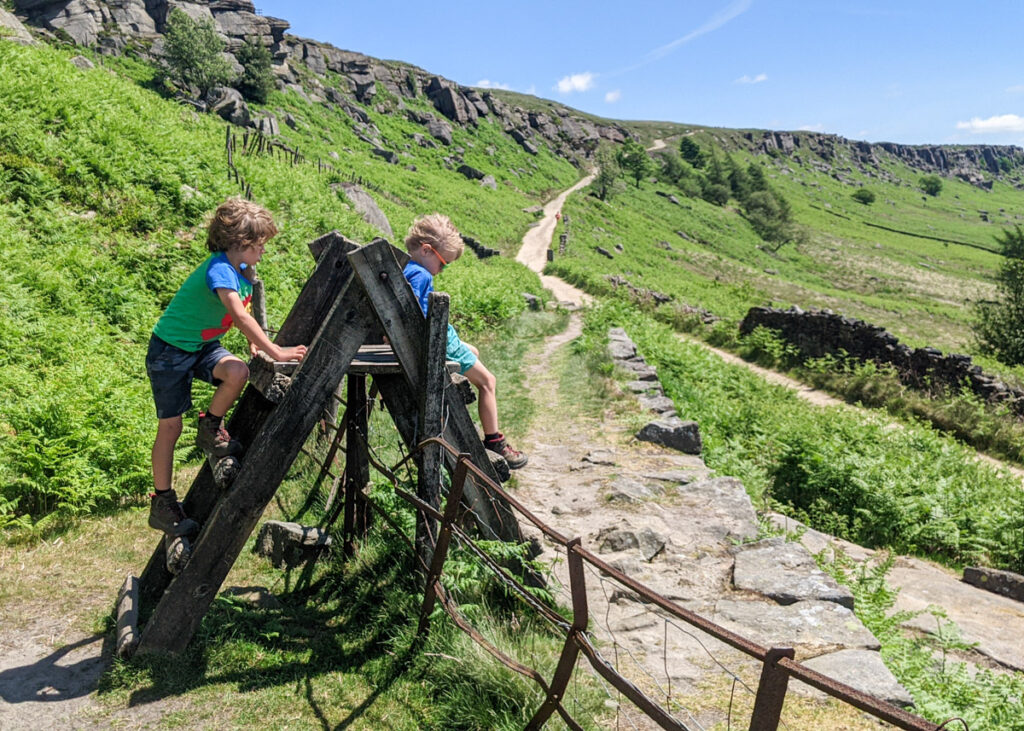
578,640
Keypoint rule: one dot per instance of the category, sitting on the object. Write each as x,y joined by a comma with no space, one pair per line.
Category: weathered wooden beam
402,319
182,608
357,458
128,618
331,274
431,415
270,378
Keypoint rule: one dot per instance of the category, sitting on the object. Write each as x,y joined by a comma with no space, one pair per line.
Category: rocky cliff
112,26
975,164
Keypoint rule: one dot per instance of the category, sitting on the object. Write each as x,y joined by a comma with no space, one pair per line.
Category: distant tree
635,161
1005,164
195,52
739,180
863,195
931,184
672,166
691,152
1000,324
606,183
257,80
757,180
715,185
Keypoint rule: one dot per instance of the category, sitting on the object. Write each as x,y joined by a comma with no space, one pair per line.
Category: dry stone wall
822,332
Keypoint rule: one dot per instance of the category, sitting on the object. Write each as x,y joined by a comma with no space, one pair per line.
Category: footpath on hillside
662,521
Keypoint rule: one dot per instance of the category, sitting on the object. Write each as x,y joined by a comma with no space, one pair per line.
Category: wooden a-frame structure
354,295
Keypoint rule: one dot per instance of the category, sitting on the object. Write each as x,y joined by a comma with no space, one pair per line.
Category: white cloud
714,23
993,125
576,82
745,79
532,90
488,84
613,96
1018,89
811,128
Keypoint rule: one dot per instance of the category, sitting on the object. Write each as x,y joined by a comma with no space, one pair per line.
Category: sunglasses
438,255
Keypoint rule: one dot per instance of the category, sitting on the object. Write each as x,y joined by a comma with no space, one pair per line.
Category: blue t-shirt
421,281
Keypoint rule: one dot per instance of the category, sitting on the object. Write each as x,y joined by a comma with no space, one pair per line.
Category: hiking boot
513,457
214,439
165,512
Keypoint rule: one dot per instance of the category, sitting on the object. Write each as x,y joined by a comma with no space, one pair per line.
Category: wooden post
128,618
259,303
319,293
771,691
270,455
357,462
431,415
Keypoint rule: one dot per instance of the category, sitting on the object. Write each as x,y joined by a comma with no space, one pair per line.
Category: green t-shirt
196,315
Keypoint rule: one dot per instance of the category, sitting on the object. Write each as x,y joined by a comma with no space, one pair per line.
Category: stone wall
822,332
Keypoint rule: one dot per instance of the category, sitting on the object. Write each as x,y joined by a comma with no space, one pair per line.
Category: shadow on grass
358,618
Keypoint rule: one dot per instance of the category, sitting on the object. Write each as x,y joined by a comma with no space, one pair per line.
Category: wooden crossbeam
270,455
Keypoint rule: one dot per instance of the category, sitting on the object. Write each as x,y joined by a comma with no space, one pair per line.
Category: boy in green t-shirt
186,344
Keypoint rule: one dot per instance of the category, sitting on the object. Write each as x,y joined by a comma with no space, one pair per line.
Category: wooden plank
266,378
431,413
331,274
402,319
259,303
128,618
180,611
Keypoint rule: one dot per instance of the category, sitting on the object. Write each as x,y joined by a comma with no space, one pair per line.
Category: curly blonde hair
438,231
239,223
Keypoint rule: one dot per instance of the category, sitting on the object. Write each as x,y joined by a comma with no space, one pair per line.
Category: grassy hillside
104,186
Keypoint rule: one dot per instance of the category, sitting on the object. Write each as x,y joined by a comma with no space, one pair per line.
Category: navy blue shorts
172,369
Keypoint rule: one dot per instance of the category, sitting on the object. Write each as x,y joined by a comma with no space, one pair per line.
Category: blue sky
901,70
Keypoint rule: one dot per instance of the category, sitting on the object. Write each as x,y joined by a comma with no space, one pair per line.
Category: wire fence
640,683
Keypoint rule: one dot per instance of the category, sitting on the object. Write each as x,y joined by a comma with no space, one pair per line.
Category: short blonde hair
239,223
438,231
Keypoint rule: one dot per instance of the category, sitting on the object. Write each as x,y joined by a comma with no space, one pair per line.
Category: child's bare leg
487,401
167,433
232,373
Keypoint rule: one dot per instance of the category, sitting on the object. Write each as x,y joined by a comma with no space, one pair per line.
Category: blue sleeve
221,275
422,284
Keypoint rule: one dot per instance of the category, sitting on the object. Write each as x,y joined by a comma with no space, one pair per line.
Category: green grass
854,476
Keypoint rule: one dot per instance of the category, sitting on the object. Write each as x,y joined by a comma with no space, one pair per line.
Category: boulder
363,203
83,63
470,172
289,545
673,432
12,28
1006,583
440,130
388,156
613,539
488,181
228,104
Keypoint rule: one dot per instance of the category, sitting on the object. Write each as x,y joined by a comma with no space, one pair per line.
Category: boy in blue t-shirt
433,243
186,344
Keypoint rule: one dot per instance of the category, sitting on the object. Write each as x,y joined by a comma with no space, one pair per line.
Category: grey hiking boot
167,515
513,457
214,439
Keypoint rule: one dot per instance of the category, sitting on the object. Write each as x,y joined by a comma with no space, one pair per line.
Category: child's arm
252,330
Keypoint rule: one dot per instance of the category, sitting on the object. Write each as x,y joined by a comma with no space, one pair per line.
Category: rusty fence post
444,537
571,650
771,691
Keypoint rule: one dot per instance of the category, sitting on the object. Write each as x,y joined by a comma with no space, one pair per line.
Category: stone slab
811,627
860,669
787,573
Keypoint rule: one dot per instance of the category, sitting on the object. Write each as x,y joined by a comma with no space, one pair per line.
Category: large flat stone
812,627
671,431
787,573
995,623
712,514
860,669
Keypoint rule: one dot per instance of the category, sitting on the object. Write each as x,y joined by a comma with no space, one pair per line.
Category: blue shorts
456,350
171,370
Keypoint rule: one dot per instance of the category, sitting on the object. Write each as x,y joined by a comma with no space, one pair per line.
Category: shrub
194,52
1000,324
257,81
931,184
863,195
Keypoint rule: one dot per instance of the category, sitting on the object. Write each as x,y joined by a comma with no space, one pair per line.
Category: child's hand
296,352
253,350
